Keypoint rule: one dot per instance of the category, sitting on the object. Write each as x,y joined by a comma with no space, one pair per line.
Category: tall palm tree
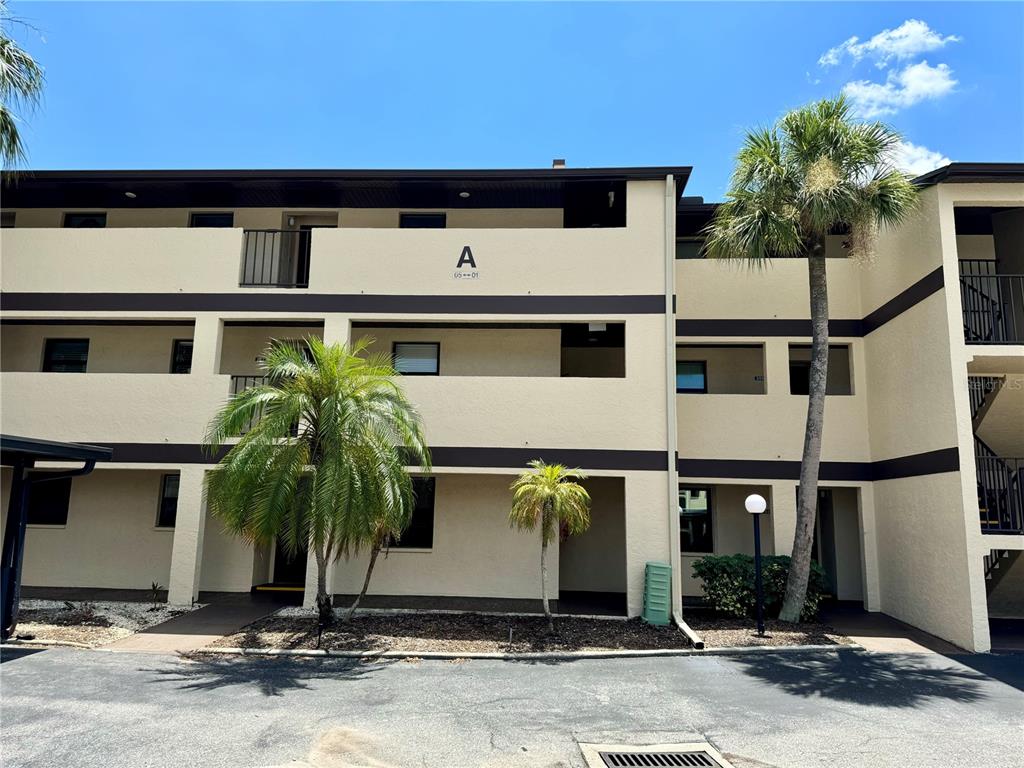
549,496
335,483
21,86
818,171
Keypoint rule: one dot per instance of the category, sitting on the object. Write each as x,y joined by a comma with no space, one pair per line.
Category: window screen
168,510
417,358
422,220
85,220
66,355
212,220
181,356
695,520
420,533
48,502
691,376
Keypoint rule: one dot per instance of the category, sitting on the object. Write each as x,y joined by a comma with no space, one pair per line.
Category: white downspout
671,425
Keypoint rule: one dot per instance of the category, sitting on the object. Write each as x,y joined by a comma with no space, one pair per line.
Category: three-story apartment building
562,314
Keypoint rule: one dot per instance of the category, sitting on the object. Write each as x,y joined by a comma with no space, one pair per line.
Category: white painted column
187,550
869,549
776,366
206,345
783,515
337,328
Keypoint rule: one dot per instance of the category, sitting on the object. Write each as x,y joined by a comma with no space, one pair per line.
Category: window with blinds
420,358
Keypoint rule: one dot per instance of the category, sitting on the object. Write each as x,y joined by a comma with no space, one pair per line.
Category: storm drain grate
632,759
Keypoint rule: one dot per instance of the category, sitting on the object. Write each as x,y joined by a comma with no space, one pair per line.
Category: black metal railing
978,389
275,258
1000,490
241,383
993,303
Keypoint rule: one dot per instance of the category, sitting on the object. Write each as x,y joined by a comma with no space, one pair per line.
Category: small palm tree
816,172
336,483
549,495
21,86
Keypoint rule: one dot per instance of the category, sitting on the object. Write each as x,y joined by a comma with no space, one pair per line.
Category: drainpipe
671,425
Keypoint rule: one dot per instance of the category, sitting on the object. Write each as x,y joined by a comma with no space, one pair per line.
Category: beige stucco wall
1006,598
480,351
230,564
595,561
475,553
112,349
110,407
718,288
110,540
849,572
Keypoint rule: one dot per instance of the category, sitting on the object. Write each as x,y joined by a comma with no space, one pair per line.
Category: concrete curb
539,656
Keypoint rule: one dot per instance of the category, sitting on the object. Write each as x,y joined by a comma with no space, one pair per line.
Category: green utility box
658,594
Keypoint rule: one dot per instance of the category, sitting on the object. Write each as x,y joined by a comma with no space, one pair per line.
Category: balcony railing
275,258
1000,491
993,304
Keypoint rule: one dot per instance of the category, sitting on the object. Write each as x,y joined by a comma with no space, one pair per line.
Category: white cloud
906,41
917,160
902,88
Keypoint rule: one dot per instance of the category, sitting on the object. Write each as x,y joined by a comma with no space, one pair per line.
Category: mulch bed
87,624
476,633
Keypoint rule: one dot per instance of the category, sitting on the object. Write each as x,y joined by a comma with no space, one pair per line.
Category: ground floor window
695,533
420,533
167,512
48,502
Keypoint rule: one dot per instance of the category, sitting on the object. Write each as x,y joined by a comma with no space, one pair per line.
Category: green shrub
729,584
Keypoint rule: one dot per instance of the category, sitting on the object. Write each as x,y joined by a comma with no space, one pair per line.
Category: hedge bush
729,584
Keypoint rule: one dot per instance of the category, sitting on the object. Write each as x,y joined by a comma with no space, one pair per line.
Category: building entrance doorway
289,569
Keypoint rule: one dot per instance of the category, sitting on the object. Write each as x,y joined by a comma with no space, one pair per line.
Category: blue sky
263,85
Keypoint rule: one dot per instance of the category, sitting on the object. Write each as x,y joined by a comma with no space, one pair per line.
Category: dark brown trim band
442,456
646,304
762,327
928,463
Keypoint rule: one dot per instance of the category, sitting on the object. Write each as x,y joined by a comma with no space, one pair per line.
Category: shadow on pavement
13,654
272,676
1007,668
877,680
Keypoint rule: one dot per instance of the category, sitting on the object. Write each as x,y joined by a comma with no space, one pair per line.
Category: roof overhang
543,187
973,173
14,449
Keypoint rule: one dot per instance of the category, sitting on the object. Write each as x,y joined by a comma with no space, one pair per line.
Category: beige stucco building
560,314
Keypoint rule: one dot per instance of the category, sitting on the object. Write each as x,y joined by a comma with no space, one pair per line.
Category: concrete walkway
194,629
880,633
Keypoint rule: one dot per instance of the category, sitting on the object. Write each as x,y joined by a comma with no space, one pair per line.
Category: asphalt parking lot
848,708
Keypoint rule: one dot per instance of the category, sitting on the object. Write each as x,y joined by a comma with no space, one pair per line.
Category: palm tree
21,86
337,481
549,495
818,171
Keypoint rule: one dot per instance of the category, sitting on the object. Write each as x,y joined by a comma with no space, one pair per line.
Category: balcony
110,407
993,303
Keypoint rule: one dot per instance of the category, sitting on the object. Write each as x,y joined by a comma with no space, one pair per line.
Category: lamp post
756,506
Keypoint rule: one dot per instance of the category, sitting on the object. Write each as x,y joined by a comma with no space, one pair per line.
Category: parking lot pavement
845,708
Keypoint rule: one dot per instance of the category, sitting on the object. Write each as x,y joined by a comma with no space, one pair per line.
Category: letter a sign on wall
466,269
